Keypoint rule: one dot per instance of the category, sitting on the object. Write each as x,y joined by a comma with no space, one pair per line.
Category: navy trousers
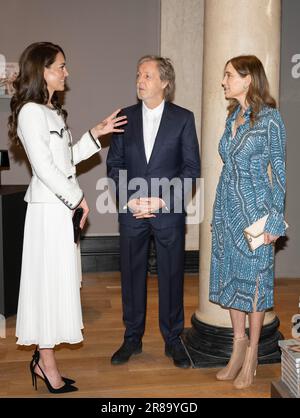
134,243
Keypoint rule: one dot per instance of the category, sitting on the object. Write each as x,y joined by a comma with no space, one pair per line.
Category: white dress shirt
151,122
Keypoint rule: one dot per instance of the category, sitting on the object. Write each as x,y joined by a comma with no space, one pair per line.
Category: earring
245,87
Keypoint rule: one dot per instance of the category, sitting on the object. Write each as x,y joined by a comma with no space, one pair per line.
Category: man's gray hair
166,71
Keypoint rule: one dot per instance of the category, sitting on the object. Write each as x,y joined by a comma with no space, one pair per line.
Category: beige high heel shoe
236,360
246,375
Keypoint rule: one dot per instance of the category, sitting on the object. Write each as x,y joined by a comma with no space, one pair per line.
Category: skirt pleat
49,309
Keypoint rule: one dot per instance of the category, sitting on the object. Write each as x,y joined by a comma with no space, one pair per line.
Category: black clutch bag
76,222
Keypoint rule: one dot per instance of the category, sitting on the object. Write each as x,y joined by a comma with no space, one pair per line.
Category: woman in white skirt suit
49,309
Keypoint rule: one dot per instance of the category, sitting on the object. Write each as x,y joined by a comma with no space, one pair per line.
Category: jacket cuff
275,224
95,140
69,204
76,206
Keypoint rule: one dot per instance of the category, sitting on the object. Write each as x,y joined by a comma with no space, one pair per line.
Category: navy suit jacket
175,155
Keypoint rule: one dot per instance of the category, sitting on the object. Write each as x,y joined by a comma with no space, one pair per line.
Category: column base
211,346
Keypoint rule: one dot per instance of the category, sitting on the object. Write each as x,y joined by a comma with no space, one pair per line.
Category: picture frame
8,74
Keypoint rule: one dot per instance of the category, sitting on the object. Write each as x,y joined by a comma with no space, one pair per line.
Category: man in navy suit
159,147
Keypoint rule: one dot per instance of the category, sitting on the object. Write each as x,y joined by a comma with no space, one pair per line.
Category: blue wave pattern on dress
245,194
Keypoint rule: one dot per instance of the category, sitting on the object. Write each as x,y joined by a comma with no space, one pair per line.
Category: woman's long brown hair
259,90
30,85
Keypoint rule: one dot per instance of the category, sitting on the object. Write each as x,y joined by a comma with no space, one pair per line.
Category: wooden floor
149,374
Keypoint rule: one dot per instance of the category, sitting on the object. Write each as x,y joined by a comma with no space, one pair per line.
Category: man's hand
145,206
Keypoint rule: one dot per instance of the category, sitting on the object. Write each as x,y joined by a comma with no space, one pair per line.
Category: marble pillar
182,41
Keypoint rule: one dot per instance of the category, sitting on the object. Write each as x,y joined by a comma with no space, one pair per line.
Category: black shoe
66,388
126,350
178,354
36,359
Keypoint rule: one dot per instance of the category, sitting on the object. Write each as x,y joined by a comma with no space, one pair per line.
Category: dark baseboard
102,253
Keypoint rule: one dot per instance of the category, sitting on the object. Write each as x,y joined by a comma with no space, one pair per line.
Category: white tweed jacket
52,155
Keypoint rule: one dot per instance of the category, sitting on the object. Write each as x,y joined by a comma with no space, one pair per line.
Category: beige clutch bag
255,233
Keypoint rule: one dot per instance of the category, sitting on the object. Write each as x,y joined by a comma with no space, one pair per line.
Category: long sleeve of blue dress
277,142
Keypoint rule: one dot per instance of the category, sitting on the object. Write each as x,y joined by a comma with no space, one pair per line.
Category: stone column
182,41
231,28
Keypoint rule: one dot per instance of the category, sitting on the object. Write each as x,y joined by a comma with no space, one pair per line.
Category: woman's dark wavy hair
259,90
30,85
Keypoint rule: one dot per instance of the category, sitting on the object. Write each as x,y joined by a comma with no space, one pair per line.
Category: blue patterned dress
244,194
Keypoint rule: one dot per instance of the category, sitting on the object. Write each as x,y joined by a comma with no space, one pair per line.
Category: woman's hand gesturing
109,125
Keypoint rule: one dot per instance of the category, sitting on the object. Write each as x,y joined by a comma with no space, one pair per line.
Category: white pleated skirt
49,308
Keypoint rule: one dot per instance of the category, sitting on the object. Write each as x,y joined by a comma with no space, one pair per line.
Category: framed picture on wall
8,74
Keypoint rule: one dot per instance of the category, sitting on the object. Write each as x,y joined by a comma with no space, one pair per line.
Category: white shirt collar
157,111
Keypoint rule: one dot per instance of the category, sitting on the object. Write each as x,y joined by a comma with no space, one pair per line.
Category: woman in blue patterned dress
240,279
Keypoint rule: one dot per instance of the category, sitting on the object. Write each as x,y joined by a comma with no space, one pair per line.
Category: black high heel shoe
36,359
64,389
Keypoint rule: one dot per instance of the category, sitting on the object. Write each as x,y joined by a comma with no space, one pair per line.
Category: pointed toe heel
67,387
